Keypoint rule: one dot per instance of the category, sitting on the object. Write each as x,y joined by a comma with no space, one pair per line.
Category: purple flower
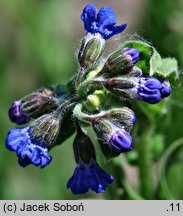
16,115
103,23
121,141
89,176
166,89
148,89
152,90
133,53
27,150
115,133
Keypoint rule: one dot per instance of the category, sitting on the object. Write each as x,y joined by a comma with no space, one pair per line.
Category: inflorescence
97,96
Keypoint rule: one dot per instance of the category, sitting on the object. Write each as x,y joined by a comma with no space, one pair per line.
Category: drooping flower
28,151
88,174
103,23
31,143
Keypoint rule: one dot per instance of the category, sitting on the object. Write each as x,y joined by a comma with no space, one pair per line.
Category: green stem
163,162
145,163
131,192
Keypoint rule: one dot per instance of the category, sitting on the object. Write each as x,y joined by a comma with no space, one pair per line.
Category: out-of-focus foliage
37,48
163,27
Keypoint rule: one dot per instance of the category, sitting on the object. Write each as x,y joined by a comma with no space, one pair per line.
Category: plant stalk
145,163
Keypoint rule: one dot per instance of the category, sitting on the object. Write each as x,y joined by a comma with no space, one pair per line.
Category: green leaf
164,68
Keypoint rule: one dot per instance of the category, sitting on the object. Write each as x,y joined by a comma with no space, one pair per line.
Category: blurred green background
38,44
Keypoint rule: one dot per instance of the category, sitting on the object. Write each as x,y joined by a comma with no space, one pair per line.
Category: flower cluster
98,96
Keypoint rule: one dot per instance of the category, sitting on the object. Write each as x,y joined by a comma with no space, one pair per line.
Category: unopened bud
116,137
32,106
95,100
45,129
91,49
148,89
119,84
121,61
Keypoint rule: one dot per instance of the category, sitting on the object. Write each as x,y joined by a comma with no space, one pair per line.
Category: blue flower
16,115
103,23
152,90
121,141
89,176
27,150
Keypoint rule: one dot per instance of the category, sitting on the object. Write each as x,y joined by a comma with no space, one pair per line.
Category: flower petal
99,179
79,182
89,18
106,17
28,152
16,137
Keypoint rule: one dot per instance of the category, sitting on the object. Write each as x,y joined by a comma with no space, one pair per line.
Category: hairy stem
145,163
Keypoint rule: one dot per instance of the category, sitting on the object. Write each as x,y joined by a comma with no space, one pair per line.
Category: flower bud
15,113
45,129
94,101
148,89
32,106
123,117
87,174
133,54
32,143
152,90
91,49
121,61
116,137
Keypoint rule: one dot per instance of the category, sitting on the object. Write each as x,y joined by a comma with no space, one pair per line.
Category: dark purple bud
133,53
120,62
16,115
114,135
152,90
32,106
148,89
121,141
